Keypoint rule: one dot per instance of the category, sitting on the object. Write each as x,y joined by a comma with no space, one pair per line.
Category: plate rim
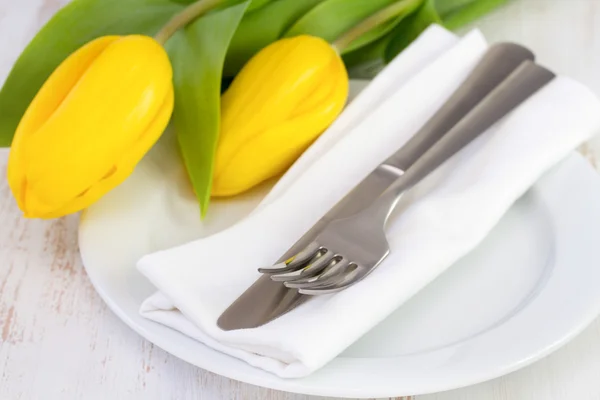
315,384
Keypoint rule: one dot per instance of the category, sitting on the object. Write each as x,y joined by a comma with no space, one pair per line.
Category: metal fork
348,249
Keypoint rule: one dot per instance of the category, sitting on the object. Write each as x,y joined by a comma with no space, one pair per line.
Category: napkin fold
437,222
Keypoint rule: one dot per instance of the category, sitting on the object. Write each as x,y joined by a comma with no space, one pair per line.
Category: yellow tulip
278,104
88,126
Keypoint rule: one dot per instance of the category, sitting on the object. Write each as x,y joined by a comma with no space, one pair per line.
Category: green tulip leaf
471,12
406,32
262,27
384,28
443,7
333,18
257,4
72,27
197,54
367,61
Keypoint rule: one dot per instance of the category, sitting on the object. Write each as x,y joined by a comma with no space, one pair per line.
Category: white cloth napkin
438,222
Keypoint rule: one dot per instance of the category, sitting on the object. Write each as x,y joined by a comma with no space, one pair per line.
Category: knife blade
266,299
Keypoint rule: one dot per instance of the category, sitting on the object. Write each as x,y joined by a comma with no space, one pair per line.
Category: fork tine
294,262
314,266
329,273
335,270
334,284
315,282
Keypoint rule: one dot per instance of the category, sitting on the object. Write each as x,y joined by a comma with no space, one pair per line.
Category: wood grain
58,340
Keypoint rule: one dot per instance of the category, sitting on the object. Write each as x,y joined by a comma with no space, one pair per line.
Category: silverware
267,299
350,248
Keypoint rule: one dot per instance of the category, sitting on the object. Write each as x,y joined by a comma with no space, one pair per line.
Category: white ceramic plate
529,288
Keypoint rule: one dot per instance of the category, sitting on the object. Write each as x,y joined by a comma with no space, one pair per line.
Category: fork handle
520,85
495,66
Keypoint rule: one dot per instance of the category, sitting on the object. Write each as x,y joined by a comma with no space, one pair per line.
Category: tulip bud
278,104
88,126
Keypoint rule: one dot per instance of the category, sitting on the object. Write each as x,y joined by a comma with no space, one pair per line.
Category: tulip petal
302,87
123,168
49,98
91,122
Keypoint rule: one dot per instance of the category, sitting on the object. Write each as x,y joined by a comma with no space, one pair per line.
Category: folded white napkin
438,222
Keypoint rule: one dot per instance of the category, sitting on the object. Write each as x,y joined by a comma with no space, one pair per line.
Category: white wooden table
59,341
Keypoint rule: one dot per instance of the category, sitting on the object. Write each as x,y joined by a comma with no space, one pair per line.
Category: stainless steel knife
266,300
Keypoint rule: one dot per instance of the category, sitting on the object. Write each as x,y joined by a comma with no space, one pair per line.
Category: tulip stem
401,7
186,16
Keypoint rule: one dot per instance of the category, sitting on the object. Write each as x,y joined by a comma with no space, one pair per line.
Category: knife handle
494,67
518,87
